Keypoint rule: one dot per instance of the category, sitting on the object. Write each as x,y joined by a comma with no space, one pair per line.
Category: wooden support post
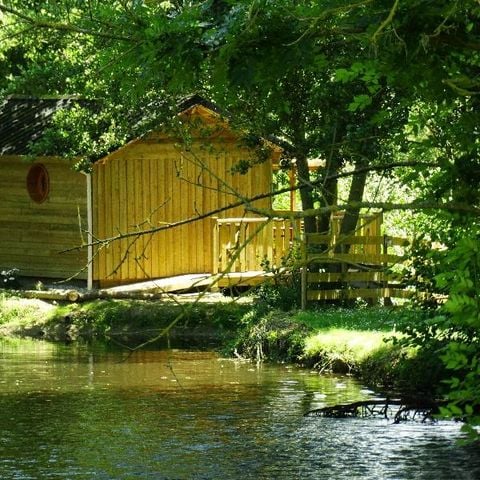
215,243
90,258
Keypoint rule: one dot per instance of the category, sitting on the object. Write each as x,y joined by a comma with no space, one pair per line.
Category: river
78,412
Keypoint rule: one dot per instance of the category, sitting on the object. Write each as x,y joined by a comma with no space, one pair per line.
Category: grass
341,349
343,339
379,319
23,311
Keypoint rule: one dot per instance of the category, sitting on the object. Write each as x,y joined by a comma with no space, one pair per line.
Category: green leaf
360,102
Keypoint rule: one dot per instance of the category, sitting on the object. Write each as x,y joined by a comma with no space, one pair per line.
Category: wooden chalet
151,183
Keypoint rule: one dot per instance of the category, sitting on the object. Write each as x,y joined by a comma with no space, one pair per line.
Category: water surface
87,413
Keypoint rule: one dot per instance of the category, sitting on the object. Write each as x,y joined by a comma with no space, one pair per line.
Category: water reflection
75,412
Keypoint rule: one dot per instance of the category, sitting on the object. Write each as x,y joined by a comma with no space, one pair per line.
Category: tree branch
386,22
59,26
446,206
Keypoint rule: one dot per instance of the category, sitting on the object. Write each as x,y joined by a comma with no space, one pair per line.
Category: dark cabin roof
24,119
192,100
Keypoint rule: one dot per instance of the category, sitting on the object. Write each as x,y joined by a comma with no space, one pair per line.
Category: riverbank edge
234,328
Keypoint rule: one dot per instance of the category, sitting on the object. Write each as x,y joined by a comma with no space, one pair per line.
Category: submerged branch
399,410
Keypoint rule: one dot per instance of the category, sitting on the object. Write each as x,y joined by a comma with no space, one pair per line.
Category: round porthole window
38,183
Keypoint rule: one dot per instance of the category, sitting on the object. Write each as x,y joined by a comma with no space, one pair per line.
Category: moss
409,371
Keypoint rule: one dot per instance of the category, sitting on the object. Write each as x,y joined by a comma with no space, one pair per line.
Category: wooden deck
163,285
185,283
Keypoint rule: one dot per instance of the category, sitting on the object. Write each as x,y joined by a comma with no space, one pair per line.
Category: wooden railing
351,267
243,244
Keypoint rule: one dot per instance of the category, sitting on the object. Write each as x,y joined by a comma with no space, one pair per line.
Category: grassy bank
358,341
129,322
365,342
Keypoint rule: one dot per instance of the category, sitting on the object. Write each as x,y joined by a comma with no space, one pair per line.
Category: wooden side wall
152,183
33,235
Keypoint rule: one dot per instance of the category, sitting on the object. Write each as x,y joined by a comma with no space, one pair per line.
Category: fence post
386,300
304,273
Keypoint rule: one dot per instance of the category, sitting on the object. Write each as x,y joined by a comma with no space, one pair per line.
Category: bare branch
247,204
386,22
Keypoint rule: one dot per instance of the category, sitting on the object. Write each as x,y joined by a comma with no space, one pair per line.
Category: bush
273,336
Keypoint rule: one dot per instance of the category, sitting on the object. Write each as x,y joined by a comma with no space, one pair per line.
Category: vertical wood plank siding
151,183
32,235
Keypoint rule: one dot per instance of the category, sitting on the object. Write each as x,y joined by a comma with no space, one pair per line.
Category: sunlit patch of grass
23,311
340,348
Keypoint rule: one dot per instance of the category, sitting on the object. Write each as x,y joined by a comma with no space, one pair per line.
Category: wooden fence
351,267
244,244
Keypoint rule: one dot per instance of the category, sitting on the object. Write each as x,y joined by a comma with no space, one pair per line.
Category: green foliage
283,290
421,268
452,334
274,335
462,352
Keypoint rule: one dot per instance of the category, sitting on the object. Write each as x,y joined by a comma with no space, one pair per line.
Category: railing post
385,269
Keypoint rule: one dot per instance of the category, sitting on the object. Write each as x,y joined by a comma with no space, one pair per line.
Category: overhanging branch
312,212
60,26
386,206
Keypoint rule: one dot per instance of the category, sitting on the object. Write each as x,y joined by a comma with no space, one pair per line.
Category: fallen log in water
397,409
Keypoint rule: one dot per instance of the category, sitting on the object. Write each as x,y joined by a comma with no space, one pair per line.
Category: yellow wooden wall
33,235
150,183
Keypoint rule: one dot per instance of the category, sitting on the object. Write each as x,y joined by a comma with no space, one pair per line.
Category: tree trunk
350,219
329,197
357,188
